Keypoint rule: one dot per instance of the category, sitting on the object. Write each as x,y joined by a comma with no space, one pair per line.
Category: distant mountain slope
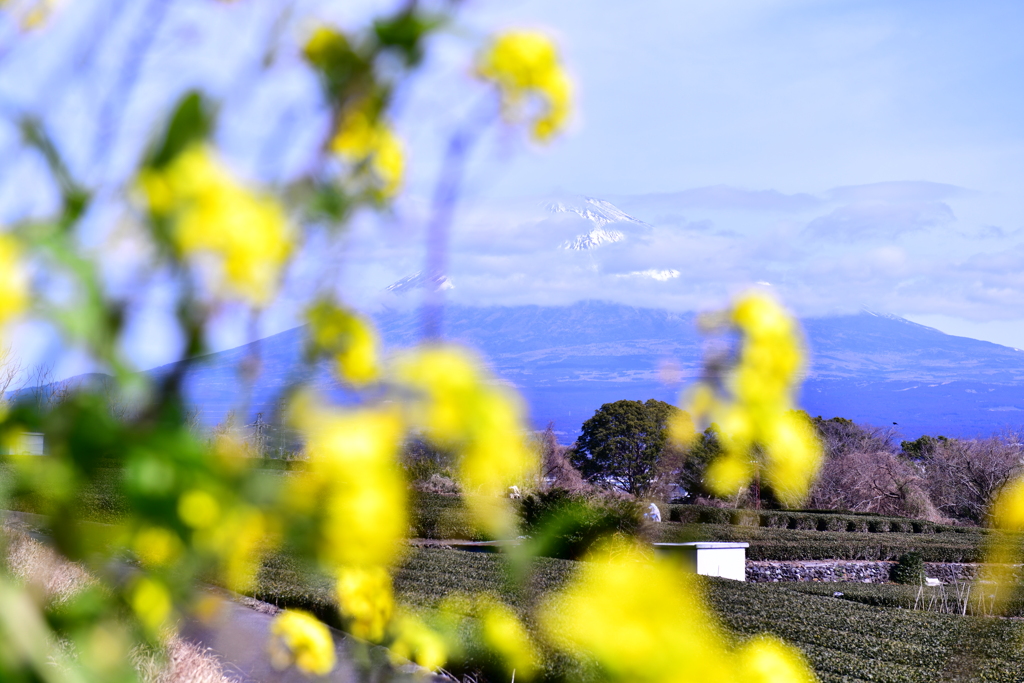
569,360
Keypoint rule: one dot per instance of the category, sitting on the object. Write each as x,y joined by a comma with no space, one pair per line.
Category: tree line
624,447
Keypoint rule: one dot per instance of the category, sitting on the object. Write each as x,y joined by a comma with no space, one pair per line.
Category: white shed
25,443
711,558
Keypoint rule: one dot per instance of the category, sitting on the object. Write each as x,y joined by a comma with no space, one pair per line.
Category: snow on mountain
592,239
419,280
598,212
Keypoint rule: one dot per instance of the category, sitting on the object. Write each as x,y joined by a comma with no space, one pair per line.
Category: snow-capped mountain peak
594,238
419,280
597,211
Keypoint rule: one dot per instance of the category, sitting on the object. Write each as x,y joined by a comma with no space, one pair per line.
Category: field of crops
844,638
867,634
849,641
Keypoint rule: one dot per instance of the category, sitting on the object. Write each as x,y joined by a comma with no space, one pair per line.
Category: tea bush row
809,521
787,544
848,641
438,516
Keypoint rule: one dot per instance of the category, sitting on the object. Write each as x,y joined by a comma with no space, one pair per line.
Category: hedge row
437,516
787,544
809,521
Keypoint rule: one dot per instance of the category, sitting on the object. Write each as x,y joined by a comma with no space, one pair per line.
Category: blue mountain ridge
568,360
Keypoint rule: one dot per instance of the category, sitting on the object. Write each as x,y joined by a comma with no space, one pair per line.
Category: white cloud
659,275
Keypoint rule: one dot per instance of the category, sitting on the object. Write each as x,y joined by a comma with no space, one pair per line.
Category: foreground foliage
182,230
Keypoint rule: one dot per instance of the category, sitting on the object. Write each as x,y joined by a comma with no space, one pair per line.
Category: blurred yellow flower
507,637
463,408
1008,508
354,483
13,280
1003,550
350,337
417,642
758,408
244,537
643,620
325,46
363,137
247,234
152,603
31,14
522,63
156,546
301,639
198,509
365,600
640,620
769,660
237,538
354,477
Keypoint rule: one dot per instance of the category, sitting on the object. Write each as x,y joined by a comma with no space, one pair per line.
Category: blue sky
865,154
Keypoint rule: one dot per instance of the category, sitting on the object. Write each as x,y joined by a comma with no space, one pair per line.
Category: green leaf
191,122
405,33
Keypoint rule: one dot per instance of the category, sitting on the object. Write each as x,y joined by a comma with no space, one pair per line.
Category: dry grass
51,576
55,580
180,662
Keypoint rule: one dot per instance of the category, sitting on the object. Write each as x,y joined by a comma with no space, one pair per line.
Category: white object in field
710,558
25,443
653,513
513,493
932,582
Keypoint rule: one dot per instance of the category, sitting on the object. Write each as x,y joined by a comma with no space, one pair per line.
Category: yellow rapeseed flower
354,483
417,642
13,280
247,234
1002,553
1008,508
758,408
642,620
524,63
156,546
31,14
507,637
236,538
639,620
152,603
769,660
366,600
463,408
301,639
350,337
198,509
363,137
354,478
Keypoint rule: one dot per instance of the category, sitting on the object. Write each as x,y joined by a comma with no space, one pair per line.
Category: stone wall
854,571
825,571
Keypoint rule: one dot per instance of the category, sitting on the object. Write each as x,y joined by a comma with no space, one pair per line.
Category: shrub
441,517
714,516
744,518
565,525
909,569
438,483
